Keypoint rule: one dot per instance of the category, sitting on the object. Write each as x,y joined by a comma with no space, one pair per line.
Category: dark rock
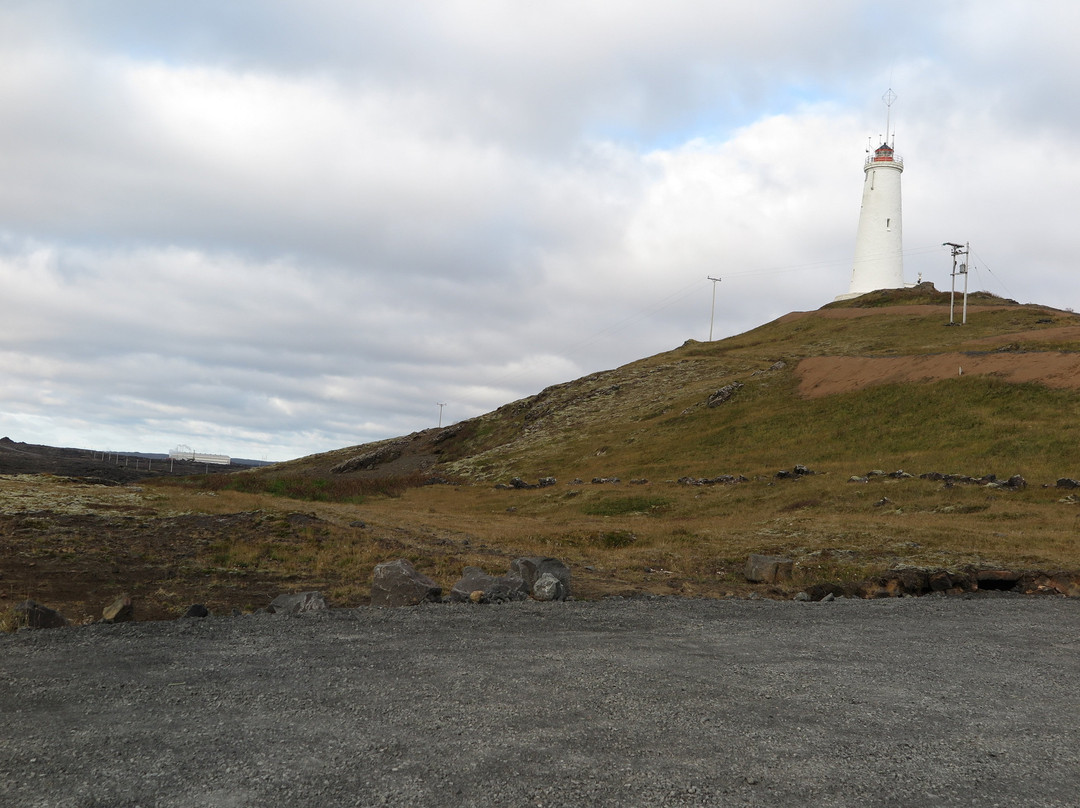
493,589
722,479
940,581
298,603
999,580
397,583
768,569
883,502
530,569
197,610
900,475
723,394
1016,481
801,470
545,482
517,482
32,614
358,523
120,610
1066,482
602,480
783,474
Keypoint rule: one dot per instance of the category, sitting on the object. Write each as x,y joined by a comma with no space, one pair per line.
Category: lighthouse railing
893,158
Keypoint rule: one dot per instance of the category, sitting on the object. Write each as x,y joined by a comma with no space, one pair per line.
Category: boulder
32,614
723,394
548,588
491,588
768,569
120,610
397,583
297,603
1067,482
531,569
197,610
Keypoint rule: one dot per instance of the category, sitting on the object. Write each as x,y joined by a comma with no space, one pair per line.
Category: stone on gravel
297,603
120,610
32,614
765,569
397,583
493,589
548,588
532,568
197,610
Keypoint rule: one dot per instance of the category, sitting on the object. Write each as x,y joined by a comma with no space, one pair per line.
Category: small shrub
11,620
614,539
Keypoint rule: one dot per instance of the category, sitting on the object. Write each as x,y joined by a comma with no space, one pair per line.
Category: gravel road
929,702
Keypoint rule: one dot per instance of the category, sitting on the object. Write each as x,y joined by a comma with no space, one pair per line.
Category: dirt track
930,701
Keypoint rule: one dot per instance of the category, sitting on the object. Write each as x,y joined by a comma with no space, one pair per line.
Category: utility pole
440,406
957,249
712,315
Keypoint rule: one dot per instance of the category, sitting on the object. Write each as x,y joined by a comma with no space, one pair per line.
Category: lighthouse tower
879,259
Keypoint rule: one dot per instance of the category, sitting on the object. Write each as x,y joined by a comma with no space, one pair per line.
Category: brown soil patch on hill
826,375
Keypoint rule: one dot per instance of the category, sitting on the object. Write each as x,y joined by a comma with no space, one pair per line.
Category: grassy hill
651,418
880,383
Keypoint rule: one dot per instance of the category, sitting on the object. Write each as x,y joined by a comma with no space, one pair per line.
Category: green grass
619,506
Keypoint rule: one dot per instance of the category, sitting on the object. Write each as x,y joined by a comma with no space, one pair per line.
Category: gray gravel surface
929,701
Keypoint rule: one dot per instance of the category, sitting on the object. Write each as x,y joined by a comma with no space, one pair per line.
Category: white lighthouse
879,258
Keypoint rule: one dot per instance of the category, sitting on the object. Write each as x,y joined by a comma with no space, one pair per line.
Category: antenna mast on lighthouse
888,98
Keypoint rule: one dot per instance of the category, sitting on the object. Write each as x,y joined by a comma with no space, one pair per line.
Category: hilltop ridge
807,387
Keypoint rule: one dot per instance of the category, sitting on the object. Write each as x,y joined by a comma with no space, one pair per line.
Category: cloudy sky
268,228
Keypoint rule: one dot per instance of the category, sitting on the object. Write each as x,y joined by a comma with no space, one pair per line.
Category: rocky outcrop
918,581
31,614
723,394
369,460
397,583
477,586
722,479
532,569
1014,483
796,472
298,603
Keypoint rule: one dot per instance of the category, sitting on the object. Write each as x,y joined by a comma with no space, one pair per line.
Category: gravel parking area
643,702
